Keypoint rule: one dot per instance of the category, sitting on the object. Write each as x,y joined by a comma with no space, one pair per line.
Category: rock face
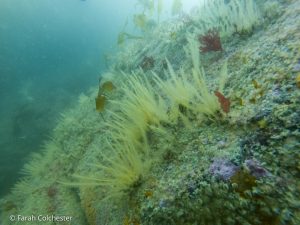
157,155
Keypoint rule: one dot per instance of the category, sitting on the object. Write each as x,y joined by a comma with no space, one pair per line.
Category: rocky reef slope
196,124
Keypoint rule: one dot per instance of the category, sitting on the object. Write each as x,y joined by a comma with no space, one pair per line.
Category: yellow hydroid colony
147,103
119,173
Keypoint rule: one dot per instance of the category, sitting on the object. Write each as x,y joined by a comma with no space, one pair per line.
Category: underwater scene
150,112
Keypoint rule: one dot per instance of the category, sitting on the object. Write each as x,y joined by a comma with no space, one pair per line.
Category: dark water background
50,52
